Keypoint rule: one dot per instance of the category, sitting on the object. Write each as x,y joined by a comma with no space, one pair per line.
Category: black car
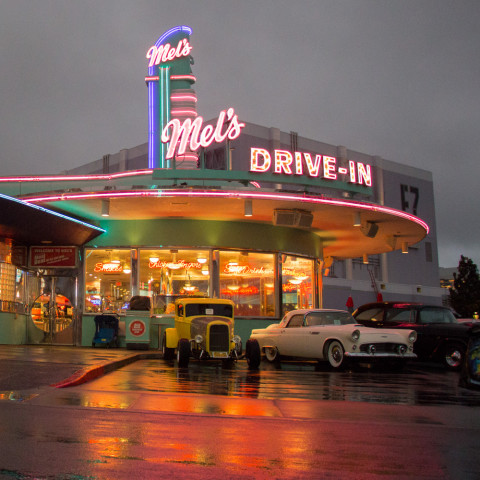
440,337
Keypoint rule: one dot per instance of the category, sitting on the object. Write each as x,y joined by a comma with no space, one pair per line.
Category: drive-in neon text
313,165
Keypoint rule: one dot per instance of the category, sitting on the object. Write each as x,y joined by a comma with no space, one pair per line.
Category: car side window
436,315
375,314
395,315
295,322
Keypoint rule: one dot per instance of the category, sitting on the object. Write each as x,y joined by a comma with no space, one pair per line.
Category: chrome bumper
380,355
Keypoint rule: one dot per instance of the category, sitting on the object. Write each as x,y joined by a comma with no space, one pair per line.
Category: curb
91,373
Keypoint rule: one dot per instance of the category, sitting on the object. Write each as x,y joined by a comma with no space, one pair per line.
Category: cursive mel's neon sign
313,165
167,53
191,133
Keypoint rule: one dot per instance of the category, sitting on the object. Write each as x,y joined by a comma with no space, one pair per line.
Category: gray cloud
399,79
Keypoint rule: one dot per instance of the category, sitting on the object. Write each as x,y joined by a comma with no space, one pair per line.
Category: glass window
52,314
297,288
107,280
329,318
295,322
7,282
436,315
396,315
372,314
20,286
196,309
167,274
247,278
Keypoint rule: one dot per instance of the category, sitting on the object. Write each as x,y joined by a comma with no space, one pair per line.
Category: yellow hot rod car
203,330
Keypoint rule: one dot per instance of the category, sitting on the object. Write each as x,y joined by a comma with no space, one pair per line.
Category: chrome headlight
236,339
412,336
198,338
355,335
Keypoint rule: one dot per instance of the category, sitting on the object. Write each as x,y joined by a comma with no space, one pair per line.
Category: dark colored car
470,376
440,337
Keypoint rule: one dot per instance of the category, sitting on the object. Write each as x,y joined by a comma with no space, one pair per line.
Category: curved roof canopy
29,224
347,228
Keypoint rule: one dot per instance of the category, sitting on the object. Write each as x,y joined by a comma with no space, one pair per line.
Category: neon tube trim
192,78
232,194
183,111
181,97
53,178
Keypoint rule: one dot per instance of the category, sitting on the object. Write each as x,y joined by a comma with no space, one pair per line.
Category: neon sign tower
170,94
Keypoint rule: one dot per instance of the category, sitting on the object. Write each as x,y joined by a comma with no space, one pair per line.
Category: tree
465,292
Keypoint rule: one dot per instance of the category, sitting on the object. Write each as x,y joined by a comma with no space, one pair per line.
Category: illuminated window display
107,280
248,279
297,283
12,281
166,274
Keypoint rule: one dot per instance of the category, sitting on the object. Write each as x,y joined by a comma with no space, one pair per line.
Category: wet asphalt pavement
26,368
140,417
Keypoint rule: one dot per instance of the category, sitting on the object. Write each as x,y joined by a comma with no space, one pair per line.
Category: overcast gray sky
394,78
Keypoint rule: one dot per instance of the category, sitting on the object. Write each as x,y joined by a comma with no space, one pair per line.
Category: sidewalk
25,367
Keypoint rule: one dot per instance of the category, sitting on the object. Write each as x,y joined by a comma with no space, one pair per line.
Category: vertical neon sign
169,73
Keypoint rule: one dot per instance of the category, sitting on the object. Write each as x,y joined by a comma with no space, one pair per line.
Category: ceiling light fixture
357,221
248,208
105,207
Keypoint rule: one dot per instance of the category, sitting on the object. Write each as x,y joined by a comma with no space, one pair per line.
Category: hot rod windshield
195,309
328,318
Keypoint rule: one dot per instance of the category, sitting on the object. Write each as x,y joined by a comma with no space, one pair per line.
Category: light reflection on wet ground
414,386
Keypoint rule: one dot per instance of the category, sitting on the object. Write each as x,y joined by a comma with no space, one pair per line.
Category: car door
436,325
290,339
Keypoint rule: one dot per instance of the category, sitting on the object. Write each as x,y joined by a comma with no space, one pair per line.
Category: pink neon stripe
181,97
183,77
231,194
177,111
53,178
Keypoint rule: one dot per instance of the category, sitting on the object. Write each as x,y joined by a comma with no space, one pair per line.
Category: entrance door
52,313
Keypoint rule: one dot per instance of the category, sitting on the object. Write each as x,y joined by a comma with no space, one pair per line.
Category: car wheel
168,353
271,354
454,354
183,353
335,354
252,353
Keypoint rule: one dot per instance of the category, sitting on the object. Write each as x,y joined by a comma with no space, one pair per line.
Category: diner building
221,208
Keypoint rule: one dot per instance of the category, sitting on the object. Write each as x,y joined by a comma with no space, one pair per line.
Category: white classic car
331,335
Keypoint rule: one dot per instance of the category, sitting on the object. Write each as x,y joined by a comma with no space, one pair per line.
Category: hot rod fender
172,338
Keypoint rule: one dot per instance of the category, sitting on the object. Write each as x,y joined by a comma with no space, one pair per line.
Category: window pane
166,275
247,278
375,314
297,288
107,280
436,315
